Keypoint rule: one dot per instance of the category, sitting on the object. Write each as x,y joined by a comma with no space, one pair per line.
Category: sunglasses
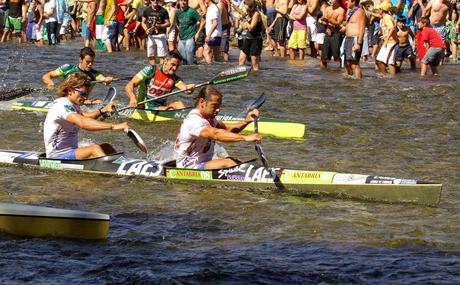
82,93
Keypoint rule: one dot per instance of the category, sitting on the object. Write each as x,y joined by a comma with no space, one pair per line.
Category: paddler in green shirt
85,65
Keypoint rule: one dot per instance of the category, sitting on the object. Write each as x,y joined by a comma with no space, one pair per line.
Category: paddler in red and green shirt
85,66
156,80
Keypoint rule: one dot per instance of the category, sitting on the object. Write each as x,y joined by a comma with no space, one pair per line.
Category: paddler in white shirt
65,118
200,129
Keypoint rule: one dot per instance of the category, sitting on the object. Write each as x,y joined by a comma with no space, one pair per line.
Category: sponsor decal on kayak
345,178
245,172
140,167
189,174
8,157
388,180
307,177
54,164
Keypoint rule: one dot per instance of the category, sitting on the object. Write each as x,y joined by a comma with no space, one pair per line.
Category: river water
184,234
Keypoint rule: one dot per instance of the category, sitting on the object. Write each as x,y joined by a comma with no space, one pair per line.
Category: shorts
157,46
172,35
312,31
120,27
109,32
131,27
69,154
350,54
442,31
331,46
30,31
156,104
451,35
403,52
280,29
387,54
13,24
433,56
72,12
251,47
39,32
200,41
214,42
319,39
298,39
85,32
65,25
224,44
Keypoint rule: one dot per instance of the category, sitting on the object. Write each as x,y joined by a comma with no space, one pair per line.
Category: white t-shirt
47,8
59,134
191,149
213,13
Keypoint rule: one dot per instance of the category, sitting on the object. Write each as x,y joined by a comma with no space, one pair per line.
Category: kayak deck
250,175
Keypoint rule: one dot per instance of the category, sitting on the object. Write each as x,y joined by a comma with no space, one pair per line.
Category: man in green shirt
188,20
85,65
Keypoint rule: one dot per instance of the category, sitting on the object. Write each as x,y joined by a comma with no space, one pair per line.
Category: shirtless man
404,49
333,18
280,24
354,36
438,11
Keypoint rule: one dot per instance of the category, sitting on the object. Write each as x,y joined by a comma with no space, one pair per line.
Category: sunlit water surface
180,233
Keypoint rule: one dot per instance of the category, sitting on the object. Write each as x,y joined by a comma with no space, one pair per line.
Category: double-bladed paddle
228,75
23,91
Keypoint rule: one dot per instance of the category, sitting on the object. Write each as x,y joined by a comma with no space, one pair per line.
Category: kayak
267,126
250,174
37,221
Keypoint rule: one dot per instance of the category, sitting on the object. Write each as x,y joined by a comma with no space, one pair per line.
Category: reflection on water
181,233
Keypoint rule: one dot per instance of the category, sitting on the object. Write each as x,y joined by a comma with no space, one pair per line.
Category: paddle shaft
165,95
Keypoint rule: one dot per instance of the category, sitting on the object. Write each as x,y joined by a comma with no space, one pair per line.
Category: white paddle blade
111,94
136,139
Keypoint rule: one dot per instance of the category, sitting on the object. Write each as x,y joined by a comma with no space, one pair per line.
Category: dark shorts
331,46
271,14
72,14
251,47
433,56
120,27
200,41
214,42
351,55
280,30
403,52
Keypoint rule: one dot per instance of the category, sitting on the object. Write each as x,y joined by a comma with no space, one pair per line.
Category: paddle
111,94
228,75
260,152
133,135
14,93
